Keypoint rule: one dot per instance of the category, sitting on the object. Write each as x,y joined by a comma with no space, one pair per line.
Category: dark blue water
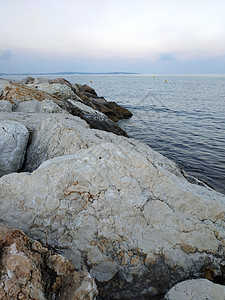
183,118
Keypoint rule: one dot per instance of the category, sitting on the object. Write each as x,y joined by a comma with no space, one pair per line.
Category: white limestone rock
48,106
25,97
196,289
3,83
148,226
35,106
63,136
32,106
61,91
5,106
13,141
33,120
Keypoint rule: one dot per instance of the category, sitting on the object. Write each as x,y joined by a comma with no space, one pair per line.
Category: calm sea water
182,117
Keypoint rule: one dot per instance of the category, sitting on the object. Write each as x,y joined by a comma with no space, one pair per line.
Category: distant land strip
71,73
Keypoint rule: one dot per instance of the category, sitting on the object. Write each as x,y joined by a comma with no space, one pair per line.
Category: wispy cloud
5,54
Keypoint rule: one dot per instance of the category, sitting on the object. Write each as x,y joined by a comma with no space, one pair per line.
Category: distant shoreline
71,73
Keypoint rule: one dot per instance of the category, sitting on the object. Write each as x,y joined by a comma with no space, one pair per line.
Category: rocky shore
100,213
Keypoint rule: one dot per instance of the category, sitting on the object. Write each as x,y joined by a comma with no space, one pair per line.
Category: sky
143,36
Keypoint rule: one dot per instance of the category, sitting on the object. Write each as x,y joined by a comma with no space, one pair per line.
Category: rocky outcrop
31,271
58,135
119,111
118,209
15,93
51,96
196,289
64,90
111,109
111,205
13,142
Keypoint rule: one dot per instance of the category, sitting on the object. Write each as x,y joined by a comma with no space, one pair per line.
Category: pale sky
145,36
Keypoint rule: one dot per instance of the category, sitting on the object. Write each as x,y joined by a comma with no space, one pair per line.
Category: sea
180,116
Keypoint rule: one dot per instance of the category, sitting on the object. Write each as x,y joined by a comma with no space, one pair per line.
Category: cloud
167,57
6,54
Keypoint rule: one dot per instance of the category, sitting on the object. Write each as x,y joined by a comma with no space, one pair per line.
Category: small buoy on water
90,81
165,80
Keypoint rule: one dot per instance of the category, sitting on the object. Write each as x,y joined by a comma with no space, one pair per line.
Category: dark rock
27,80
111,109
88,89
101,124
119,111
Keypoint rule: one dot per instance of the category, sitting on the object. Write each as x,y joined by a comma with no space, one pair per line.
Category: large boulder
33,120
196,289
35,106
112,110
61,91
14,93
13,142
120,210
57,135
119,111
31,271
87,89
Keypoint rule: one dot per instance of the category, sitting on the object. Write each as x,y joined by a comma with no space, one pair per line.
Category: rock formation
113,206
58,95
31,271
196,289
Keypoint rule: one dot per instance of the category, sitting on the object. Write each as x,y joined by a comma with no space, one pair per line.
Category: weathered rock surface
13,142
35,106
31,271
119,111
33,120
61,91
3,84
112,205
57,96
15,93
196,289
5,106
64,90
57,135
118,209
112,110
